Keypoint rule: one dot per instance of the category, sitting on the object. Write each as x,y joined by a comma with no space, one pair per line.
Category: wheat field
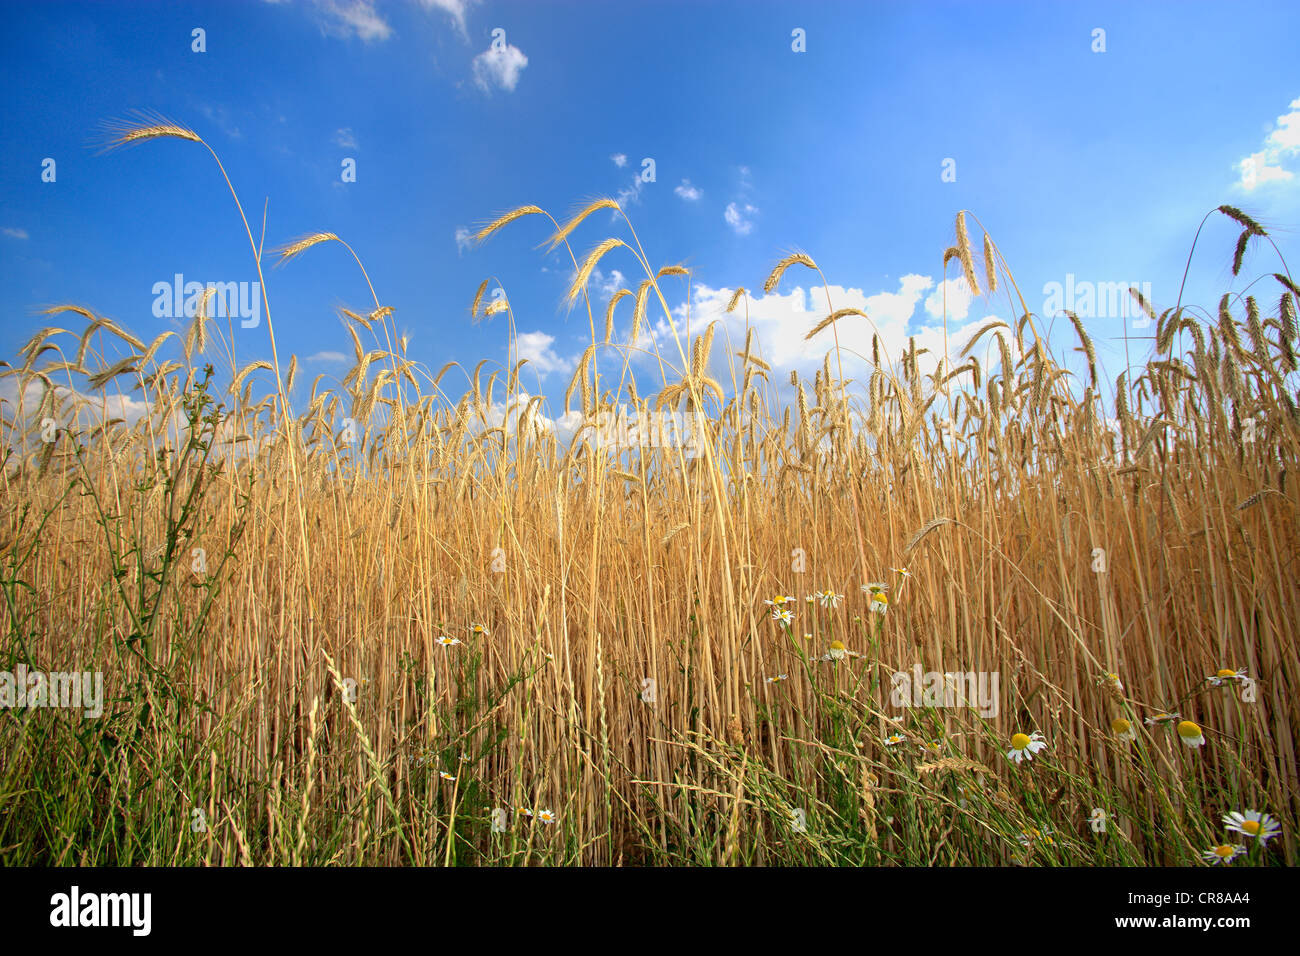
384,624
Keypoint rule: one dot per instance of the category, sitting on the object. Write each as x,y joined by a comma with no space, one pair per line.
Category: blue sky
1098,165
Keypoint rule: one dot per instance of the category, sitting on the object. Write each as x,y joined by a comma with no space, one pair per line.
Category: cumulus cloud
619,159
464,239
688,192
782,320
81,412
507,414
739,217
958,297
327,357
499,66
13,233
1281,146
345,139
537,347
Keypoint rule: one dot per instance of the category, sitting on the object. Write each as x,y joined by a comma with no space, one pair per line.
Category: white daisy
1252,823
479,630
546,816
1123,729
782,615
829,598
1227,676
1025,745
893,740
448,641
1224,853
1190,734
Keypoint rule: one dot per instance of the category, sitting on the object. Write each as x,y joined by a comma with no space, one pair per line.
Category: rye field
1005,613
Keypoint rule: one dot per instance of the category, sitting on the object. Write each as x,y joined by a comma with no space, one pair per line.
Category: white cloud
326,357
83,411
782,320
537,348
959,299
463,239
499,67
456,9
507,413
738,217
601,286
607,285
629,195
352,18
345,139
619,159
1282,144
16,233
688,192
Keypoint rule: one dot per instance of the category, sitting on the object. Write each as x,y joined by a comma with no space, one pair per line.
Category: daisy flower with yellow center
807,637
875,587
445,775
810,599
778,678
525,811
1224,853
478,630
546,816
780,600
1190,734
448,641
1252,823
879,603
837,651
903,571
1157,719
782,615
1227,676
893,740
829,598
1123,729
1025,745
1110,680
